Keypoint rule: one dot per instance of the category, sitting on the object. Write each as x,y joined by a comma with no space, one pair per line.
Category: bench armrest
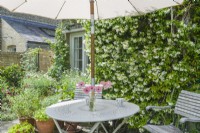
185,119
157,108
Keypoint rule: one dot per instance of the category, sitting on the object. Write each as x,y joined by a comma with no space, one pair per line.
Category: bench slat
191,111
187,114
189,96
188,107
190,93
188,104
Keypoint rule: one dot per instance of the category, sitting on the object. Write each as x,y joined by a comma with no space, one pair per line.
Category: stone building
18,32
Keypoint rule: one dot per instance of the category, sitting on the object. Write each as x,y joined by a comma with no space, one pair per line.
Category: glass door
79,59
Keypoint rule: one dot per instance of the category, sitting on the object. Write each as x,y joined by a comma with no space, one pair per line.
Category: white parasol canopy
80,9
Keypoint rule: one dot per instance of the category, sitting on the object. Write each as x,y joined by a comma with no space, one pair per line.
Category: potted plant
23,127
25,104
44,123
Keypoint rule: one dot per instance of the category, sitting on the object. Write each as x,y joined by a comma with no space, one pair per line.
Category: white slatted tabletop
78,111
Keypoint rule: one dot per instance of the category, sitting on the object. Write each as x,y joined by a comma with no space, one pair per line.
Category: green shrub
21,128
40,82
40,115
25,103
3,88
49,100
5,91
12,74
6,113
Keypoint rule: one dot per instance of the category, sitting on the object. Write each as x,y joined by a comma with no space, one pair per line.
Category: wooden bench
187,106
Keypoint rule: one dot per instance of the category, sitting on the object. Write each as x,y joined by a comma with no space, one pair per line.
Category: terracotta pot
29,120
45,126
71,127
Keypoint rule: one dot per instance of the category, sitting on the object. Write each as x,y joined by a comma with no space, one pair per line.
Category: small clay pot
45,126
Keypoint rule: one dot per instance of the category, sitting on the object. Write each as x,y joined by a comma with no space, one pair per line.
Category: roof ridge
28,22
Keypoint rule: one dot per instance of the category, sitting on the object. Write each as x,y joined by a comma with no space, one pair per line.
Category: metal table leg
58,127
96,125
104,128
120,125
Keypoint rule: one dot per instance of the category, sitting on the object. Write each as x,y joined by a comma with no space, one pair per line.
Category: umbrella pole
92,43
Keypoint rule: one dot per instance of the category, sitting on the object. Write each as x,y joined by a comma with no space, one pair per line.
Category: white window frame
84,55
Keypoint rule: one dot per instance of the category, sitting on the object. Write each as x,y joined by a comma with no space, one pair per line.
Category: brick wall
9,58
45,60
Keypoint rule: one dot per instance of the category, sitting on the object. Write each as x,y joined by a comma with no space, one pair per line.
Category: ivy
29,60
147,64
61,53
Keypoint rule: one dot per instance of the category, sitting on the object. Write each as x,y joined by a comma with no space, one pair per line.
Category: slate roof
31,31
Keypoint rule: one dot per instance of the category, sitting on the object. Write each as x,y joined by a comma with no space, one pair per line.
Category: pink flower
103,83
98,89
81,84
107,85
91,87
86,90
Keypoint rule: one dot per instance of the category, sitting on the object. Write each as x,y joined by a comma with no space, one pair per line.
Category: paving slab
5,125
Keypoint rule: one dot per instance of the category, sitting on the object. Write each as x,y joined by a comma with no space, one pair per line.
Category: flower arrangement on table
90,89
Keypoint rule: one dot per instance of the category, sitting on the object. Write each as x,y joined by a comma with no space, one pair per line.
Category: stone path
4,125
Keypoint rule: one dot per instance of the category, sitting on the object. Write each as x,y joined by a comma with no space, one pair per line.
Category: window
79,59
11,48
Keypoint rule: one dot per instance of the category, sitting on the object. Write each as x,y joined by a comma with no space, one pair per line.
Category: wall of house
9,58
67,36
10,37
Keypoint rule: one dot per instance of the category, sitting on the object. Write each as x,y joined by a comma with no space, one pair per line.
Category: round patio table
78,111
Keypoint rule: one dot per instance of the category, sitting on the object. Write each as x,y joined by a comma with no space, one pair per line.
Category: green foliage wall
61,53
147,64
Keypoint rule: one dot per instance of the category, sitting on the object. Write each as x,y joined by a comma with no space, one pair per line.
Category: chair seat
162,129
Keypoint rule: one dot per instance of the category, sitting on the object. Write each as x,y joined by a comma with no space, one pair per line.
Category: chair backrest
79,94
188,104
